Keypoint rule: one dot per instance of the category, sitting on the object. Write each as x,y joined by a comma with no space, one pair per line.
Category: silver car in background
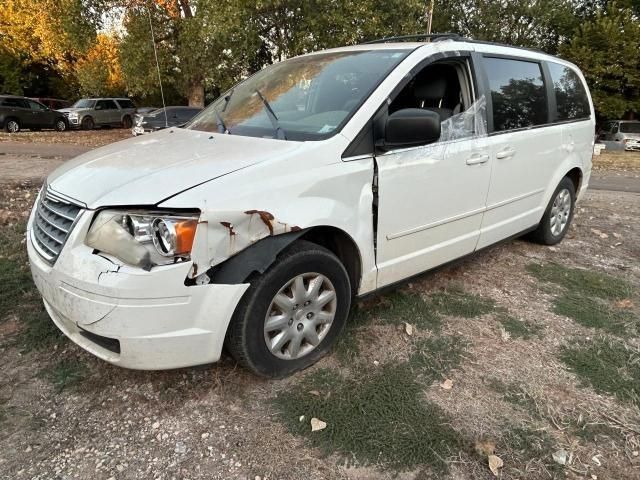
626,134
88,113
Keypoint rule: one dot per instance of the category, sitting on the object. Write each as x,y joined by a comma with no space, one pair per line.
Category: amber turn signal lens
185,233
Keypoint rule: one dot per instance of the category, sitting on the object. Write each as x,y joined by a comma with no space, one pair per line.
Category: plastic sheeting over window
470,123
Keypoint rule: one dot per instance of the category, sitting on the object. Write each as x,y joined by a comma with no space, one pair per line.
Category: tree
542,24
606,49
98,71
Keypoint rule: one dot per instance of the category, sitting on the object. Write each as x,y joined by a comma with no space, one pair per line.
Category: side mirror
411,127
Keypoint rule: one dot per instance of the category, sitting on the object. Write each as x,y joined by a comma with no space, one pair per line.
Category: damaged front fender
220,238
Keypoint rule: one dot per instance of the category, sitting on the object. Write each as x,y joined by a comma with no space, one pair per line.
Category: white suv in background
88,113
317,180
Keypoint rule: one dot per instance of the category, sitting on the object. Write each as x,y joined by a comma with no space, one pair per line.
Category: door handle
477,159
505,153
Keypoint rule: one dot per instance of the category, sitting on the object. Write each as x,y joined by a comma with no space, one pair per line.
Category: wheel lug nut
290,321
300,327
309,315
307,303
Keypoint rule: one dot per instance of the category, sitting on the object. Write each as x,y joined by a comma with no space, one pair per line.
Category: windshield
312,97
84,103
633,127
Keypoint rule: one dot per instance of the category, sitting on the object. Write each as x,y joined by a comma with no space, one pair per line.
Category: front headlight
143,239
73,115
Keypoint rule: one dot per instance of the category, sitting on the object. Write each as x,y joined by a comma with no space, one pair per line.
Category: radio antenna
155,52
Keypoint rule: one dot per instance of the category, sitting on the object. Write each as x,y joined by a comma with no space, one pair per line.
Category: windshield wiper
280,135
222,128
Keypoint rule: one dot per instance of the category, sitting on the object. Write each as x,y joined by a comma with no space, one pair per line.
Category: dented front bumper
130,317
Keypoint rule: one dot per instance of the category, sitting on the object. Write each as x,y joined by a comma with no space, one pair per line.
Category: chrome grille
52,223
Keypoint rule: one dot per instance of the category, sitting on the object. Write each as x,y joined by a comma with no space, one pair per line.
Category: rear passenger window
126,104
571,97
517,93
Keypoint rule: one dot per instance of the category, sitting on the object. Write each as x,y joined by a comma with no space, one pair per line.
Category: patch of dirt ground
89,138
65,414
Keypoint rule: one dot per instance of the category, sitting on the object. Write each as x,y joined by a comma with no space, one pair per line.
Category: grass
587,297
375,418
516,395
586,283
609,366
433,357
457,303
66,374
593,313
526,444
18,295
398,307
518,328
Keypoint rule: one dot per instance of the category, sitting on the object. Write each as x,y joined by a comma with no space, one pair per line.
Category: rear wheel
558,215
292,314
88,123
12,125
60,125
126,122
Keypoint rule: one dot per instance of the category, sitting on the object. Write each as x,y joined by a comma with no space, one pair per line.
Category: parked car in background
17,113
162,118
89,113
53,103
624,132
316,180
142,110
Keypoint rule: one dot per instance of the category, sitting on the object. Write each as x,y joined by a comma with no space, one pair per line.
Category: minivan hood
146,170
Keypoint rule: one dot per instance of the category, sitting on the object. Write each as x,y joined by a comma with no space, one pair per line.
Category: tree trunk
196,94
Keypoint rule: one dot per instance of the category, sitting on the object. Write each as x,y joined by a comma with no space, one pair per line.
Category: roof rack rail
433,37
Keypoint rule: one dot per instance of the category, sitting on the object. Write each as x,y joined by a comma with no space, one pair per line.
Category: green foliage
608,366
377,417
606,49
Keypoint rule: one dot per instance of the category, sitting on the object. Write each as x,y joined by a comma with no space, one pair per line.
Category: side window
571,97
36,106
517,93
106,105
444,88
12,102
126,104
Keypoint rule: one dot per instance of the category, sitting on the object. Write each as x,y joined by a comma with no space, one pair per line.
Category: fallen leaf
317,424
301,419
485,447
596,460
617,235
408,328
447,384
315,393
495,464
626,303
506,336
560,457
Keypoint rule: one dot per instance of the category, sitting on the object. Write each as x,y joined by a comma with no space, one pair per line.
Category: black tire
246,338
88,123
127,122
11,125
544,234
60,125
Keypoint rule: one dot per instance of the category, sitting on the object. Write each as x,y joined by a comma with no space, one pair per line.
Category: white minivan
317,180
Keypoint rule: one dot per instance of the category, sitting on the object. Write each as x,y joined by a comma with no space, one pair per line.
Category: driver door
432,197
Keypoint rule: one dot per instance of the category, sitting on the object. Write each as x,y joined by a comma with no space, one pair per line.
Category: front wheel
558,215
292,314
60,125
